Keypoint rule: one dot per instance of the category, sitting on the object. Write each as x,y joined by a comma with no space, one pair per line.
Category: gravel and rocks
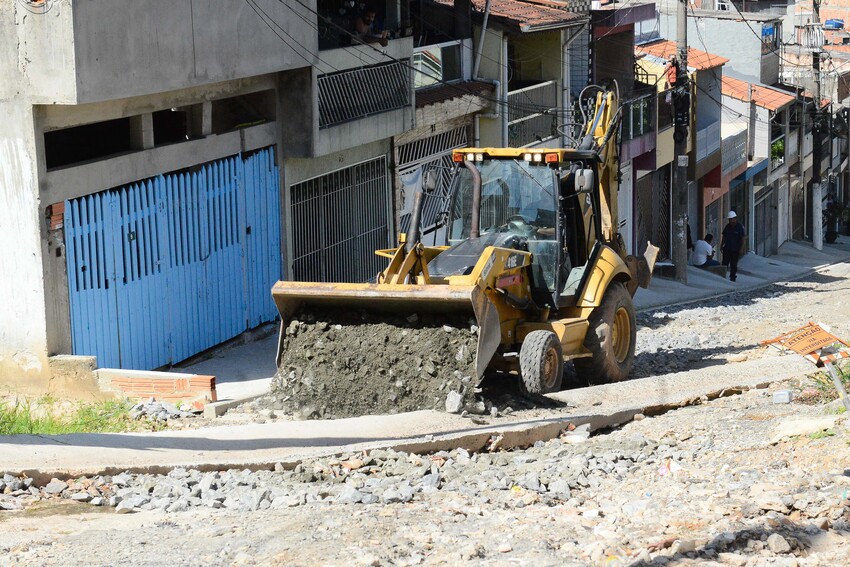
162,411
728,329
738,480
349,363
702,483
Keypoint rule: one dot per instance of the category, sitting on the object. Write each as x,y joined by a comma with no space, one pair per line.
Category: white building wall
727,38
491,68
762,133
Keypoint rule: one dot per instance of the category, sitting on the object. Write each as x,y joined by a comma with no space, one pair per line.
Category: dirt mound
349,364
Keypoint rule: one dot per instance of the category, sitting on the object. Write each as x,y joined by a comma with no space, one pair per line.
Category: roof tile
699,60
524,16
762,95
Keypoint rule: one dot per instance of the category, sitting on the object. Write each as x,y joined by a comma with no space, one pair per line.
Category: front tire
610,338
541,363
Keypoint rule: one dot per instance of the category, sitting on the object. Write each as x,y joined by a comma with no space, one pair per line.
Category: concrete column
201,120
23,327
141,131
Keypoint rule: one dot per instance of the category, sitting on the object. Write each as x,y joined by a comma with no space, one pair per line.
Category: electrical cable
464,91
262,14
758,35
39,7
536,109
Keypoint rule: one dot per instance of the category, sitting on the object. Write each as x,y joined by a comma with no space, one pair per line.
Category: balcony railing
734,152
638,117
435,64
777,152
708,140
531,114
358,93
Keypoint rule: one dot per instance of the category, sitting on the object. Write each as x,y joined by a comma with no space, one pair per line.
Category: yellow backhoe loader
531,253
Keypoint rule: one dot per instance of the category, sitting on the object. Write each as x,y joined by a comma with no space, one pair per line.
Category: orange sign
806,340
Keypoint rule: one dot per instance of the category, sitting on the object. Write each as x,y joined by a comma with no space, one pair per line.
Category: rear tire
541,363
610,338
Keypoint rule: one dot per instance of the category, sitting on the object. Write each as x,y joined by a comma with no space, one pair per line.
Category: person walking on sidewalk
732,244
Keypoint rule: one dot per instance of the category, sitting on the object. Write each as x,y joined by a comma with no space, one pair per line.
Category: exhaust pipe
475,227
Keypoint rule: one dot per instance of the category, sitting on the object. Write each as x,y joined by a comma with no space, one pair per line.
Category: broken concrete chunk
454,402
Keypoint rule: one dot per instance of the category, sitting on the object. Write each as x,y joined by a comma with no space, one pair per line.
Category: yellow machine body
497,290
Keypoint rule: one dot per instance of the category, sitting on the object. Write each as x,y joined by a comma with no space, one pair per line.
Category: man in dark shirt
732,244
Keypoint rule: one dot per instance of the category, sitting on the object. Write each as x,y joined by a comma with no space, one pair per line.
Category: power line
758,35
535,109
271,24
464,91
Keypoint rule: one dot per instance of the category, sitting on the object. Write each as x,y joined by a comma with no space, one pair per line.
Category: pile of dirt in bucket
343,365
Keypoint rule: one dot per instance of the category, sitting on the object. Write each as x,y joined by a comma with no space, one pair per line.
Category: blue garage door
168,267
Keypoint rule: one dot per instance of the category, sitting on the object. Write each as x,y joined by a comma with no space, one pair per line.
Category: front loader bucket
401,300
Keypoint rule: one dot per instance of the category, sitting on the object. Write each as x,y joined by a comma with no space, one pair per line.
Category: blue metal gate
165,268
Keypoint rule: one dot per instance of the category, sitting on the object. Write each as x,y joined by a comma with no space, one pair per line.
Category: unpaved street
714,482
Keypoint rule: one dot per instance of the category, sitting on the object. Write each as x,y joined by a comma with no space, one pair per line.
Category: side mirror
584,180
429,182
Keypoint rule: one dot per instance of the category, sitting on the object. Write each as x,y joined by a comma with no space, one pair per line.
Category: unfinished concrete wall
23,333
38,50
156,47
538,56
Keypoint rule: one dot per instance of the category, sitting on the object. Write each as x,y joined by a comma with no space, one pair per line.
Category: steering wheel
519,223
518,219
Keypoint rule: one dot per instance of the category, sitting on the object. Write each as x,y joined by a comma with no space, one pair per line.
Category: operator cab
525,204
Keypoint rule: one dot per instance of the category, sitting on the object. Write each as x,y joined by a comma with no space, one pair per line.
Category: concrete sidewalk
264,445
794,260
287,442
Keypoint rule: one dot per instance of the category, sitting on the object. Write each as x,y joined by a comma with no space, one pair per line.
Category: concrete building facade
161,168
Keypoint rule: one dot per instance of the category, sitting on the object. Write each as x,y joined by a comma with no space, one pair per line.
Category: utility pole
817,139
682,107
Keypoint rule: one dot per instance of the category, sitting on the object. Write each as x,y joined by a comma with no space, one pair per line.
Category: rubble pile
350,364
154,410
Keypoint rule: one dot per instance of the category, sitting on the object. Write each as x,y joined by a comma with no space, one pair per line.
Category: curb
219,408
504,437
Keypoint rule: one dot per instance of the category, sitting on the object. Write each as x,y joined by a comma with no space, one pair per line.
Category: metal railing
639,116
358,93
777,152
532,114
438,63
708,140
734,151
338,220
